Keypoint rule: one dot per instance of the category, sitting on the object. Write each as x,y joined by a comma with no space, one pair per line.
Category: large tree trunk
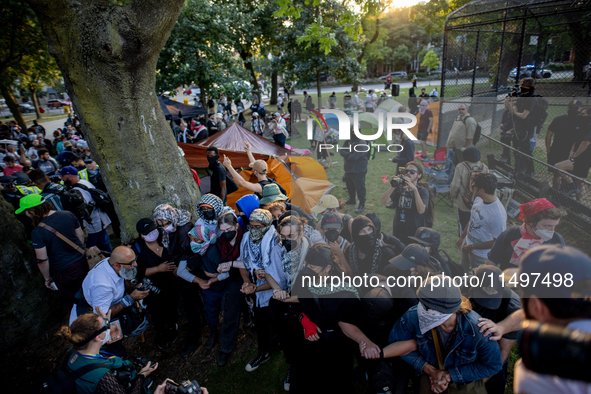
27,308
33,92
274,87
107,54
319,90
13,106
580,33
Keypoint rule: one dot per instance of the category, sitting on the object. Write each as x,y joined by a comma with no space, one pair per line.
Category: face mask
229,235
287,244
546,235
197,247
572,112
128,273
258,233
332,235
275,223
169,228
212,159
152,236
208,215
366,243
107,337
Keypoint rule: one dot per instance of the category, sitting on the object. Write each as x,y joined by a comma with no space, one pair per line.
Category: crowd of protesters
271,264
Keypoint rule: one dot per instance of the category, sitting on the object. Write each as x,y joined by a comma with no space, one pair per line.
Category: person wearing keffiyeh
209,209
540,218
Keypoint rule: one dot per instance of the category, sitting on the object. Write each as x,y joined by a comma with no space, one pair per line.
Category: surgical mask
212,159
169,228
332,235
229,235
546,235
107,337
151,236
366,243
209,214
128,273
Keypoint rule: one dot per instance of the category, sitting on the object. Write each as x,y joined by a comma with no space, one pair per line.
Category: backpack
383,380
477,132
101,199
64,382
73,201
468,194
262,112
539,112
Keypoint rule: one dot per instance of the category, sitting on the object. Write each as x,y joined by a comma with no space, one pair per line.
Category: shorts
581,168
422,135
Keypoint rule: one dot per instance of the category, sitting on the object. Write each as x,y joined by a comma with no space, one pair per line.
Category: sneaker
257,361
288,377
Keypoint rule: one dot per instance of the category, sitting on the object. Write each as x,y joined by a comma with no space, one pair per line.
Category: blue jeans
100,240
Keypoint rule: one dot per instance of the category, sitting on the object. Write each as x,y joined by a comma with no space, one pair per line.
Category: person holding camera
104,287
567,305
411,201
153,263
88,333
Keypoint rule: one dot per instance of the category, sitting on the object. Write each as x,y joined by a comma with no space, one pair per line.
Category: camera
188,386
555,350
398,179
142,361
515,92
147,285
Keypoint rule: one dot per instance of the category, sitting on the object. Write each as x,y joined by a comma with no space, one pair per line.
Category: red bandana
533,207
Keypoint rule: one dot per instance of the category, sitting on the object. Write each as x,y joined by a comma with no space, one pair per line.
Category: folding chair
442,174
438,159
443,179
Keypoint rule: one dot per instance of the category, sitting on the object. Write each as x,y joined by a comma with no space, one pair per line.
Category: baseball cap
551,260
21,178
69,170
88,161
277,114
427,237
328,201
29,201
575,103
145,226
67,144
8,180
255,114
491,290
331,220
412,255
259,166
82,144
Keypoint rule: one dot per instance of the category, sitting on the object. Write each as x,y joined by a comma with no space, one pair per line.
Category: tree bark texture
247,60
107,54
33,92
13,106
319,89
27,307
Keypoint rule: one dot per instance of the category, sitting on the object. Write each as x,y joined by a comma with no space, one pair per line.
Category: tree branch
373,39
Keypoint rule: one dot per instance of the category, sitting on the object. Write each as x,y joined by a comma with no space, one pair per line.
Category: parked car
396,74
323,77
528,70
57,103
26,108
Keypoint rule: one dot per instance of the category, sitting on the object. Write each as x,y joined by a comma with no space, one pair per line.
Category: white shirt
103,287
279,100
526,381
100,220
487,222
434,93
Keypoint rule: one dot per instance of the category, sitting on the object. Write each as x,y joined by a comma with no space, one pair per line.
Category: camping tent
172,108
304,191
432,137
230,142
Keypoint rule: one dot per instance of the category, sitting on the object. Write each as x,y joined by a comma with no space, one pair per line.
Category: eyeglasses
461,109
130,263
412,172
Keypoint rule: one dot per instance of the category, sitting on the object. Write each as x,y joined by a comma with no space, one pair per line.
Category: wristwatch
572,160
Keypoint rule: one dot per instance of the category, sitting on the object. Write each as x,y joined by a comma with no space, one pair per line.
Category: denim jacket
472,356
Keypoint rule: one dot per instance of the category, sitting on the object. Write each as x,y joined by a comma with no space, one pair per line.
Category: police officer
12,194
90,173
24,184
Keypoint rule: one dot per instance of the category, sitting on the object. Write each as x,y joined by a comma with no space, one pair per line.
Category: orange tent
230,142
432,137
304,191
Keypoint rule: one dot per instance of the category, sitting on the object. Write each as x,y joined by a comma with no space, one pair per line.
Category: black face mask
230,235
213,159
275,223
287,244
332,235
366,243
572,112
208,215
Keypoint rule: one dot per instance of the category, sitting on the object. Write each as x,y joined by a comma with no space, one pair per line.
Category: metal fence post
475,63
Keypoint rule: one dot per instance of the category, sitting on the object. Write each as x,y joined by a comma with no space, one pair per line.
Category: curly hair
39,212
550,213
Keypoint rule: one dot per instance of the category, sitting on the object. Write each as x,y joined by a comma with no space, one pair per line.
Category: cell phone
171,387
53,286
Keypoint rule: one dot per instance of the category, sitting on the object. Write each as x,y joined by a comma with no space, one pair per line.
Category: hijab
176,217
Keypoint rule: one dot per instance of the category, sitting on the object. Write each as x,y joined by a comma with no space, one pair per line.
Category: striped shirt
343,244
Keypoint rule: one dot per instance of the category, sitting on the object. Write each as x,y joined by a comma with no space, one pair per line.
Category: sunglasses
412,172
130,263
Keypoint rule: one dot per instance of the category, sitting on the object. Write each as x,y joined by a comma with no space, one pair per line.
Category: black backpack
101,199
383,379
478,131
64,382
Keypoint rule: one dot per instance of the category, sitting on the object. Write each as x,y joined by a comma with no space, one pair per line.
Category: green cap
29,201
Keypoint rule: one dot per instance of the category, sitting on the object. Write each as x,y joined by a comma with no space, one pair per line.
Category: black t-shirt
60,254
217,175
407,219
584,134
567,130
502,249
210,124
510,303
146,258
524,128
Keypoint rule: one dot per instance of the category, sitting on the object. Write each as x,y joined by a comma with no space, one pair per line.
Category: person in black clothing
356,157
331,318
385,238
525,125
501,318
411,201
217,174
367,254
431,240
174,225
424,95
407,153
152,262
212,126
